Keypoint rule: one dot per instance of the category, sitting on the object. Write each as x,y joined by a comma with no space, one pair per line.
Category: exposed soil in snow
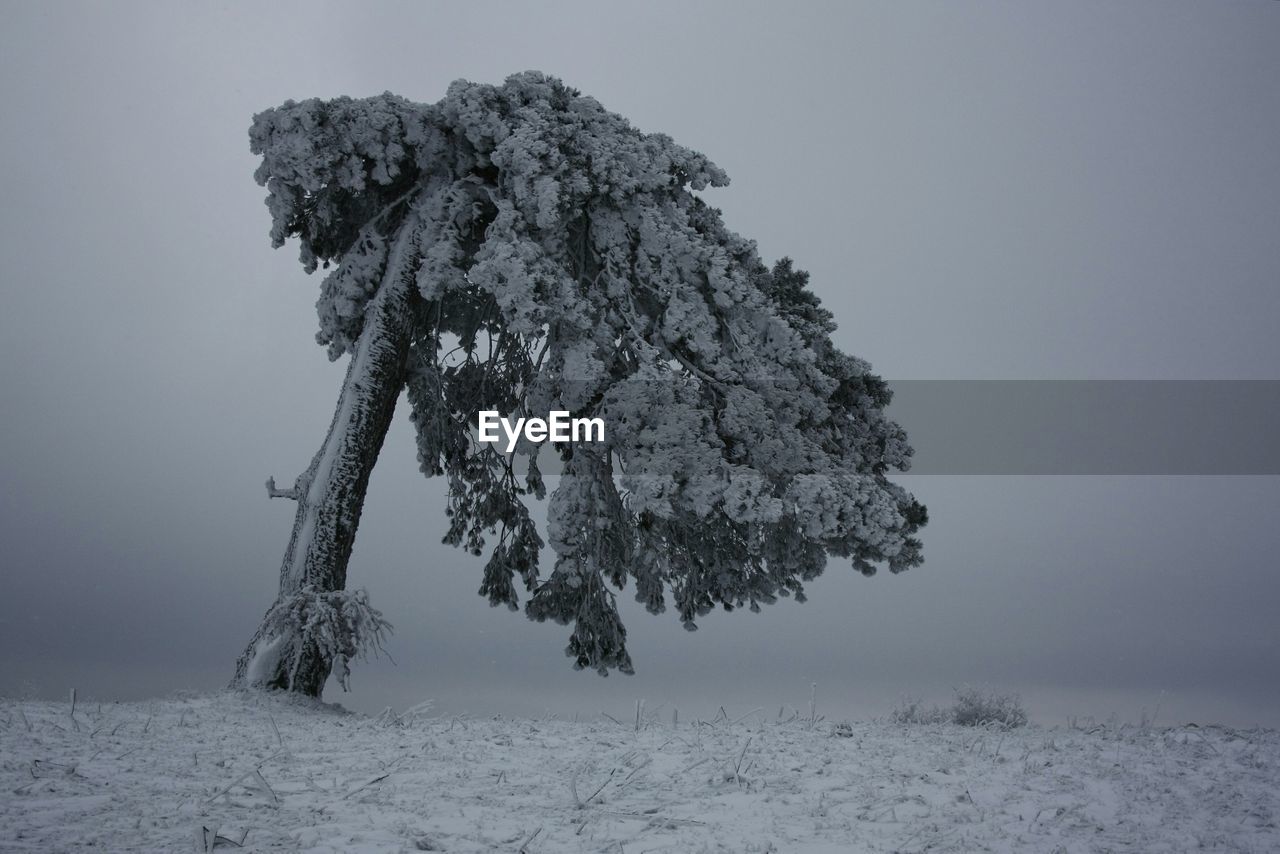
189,773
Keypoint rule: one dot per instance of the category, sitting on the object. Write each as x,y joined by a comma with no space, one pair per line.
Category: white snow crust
194,772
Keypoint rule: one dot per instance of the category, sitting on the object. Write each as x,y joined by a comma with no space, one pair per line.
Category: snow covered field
198,772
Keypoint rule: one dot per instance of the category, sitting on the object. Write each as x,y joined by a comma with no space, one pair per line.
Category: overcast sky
980,190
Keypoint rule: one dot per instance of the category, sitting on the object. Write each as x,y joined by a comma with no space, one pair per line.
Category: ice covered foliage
564,260
341,624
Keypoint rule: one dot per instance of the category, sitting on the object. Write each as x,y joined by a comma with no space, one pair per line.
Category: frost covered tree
519,248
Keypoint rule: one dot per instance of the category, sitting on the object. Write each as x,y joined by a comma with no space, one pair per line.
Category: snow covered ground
197,772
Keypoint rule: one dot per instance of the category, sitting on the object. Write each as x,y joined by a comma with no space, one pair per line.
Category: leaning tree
519,248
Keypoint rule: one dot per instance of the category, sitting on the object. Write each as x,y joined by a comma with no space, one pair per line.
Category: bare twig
72,713
524,846
367,785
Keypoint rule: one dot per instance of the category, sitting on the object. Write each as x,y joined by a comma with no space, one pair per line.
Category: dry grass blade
207,839
265,787
367,784
602,785
72,714
246,775
524,846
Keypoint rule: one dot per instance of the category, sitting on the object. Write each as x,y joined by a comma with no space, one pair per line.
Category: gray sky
980,190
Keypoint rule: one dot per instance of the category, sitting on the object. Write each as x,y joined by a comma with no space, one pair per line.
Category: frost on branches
341,624
519,248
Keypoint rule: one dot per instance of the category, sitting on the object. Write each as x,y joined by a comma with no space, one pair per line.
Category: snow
266,658
285,774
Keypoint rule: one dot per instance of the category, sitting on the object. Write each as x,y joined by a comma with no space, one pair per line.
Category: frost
273,773
340,623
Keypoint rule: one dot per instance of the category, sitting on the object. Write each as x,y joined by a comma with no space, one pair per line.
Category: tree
519,248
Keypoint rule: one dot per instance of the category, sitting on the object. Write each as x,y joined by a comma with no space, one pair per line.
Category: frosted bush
976,708
341,623
972,707
912,711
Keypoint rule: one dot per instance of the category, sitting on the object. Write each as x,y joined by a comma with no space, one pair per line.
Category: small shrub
976,708
912,711
972,707
341,623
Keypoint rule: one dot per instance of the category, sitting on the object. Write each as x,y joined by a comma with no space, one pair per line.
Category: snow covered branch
273,492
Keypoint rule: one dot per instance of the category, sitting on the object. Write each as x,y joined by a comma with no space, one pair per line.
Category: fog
981,191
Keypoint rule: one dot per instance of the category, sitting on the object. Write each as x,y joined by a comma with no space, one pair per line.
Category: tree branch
273,492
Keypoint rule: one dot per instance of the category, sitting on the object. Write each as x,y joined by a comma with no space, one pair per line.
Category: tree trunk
331,492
